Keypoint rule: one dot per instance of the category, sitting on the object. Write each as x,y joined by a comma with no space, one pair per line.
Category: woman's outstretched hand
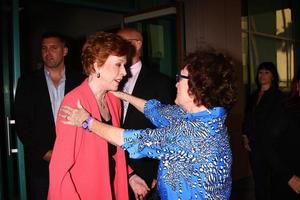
74,116
117,94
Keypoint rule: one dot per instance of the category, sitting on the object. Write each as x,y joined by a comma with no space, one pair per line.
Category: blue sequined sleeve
144,143
162,115
161,143
131,143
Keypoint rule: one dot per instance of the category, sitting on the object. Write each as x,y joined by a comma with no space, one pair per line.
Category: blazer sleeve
63,158
22,111
278,127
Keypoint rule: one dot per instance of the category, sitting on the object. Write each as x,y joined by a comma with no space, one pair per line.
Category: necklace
102,105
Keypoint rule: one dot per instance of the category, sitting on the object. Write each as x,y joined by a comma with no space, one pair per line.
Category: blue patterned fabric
193,149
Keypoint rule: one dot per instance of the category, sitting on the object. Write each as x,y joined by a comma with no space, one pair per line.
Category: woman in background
191,139
260,107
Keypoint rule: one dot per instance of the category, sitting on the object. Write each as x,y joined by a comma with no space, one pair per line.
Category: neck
193,108
57,71
198,109
55,74
265,87
135,60
96,88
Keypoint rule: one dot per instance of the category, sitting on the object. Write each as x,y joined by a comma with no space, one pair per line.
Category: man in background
145,83
37,101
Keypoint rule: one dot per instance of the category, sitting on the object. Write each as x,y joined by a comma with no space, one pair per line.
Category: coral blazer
79,167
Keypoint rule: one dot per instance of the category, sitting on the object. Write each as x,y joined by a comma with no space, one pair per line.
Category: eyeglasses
180,77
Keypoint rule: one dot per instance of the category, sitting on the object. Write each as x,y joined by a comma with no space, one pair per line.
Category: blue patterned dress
193,149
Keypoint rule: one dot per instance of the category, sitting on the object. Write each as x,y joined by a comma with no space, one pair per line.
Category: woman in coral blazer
84,166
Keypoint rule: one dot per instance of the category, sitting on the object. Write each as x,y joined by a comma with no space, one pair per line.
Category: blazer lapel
69,78
44,93
138,87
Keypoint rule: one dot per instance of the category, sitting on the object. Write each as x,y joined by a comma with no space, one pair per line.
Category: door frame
172,8
14,153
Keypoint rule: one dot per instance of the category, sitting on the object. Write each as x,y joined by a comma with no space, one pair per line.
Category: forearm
113,135
138,103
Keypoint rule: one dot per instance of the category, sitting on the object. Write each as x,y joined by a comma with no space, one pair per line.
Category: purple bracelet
86,123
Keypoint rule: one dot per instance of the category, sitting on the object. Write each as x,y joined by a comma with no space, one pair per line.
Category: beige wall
217,23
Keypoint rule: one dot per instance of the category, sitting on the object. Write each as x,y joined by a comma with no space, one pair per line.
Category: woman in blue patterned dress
191,139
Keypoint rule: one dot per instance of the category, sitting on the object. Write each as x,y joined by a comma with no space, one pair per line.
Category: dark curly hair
211,78
99,46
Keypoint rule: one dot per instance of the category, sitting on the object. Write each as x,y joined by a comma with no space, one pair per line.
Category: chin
114,88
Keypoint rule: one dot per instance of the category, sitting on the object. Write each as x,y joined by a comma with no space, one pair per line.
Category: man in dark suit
37,101
147,84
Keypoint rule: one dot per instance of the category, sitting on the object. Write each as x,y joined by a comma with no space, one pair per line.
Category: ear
95,67
190,92
138,44
66,50
191,95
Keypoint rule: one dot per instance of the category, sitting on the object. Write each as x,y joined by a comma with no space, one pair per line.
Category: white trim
148,15
269,35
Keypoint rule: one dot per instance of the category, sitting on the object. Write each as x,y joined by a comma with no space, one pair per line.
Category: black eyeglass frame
180,76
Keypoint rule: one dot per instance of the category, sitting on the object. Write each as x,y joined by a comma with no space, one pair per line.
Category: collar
135,68
63,77
213,112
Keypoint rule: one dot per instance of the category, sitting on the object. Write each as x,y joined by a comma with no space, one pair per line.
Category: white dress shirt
129,85
56,93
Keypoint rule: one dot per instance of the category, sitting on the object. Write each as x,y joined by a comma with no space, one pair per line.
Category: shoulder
73,75
113,99
74,72
76,94
277,96
33,74
154,74
32,77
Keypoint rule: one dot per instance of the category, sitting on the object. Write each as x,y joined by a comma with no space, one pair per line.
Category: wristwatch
86,123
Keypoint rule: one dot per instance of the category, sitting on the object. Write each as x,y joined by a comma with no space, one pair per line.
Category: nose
46,51
123,70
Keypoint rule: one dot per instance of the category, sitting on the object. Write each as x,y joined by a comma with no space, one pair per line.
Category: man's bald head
136,39
130,34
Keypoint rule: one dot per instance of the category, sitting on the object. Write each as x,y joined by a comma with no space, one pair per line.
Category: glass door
12,171
162,34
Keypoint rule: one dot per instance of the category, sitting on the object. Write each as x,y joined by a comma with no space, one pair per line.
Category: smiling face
112,72
53,52
183,98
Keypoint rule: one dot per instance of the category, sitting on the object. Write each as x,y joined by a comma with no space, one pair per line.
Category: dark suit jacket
282,148
149,85
257,115
34,119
